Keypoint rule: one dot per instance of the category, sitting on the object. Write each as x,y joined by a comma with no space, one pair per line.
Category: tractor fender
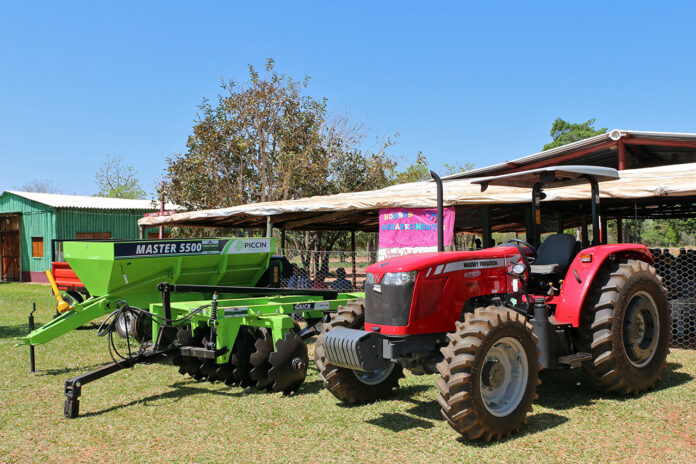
581,274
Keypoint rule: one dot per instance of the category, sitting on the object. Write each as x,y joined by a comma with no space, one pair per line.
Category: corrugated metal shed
46,217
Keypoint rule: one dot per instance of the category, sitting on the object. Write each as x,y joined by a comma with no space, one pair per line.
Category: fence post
352,255
32,358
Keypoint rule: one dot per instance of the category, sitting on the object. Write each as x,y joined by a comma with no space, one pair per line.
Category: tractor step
575,360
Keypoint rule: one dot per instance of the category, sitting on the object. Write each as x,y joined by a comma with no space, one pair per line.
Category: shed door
9,247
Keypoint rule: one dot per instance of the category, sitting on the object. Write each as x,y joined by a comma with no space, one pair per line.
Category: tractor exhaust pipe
440,229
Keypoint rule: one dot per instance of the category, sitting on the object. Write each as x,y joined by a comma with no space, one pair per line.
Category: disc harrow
288,363
259,359
251,341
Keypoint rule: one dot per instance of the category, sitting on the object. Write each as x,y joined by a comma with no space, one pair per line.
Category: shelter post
605,234
269,227
528,224
584,236
352,255
619,230
559,227
486,229
622,155
141,232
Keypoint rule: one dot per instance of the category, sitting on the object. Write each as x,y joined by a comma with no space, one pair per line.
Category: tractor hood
425,261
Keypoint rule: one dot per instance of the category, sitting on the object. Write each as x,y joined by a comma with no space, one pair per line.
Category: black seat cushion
555,254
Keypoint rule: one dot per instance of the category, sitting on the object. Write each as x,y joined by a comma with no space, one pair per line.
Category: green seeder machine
211,306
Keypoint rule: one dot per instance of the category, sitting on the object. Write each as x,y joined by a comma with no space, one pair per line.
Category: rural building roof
658,179
359,210
79,201
645,149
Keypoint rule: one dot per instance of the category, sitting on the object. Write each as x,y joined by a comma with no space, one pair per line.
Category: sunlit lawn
152,414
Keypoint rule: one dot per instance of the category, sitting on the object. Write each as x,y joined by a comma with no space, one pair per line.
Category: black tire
609,324
468,374
346,384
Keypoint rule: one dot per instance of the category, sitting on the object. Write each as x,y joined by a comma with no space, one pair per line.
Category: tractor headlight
519,269
370,279
399,278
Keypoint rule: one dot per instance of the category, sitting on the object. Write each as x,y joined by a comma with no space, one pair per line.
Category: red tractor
489,320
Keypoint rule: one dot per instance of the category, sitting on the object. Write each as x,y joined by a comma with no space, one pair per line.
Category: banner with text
405,231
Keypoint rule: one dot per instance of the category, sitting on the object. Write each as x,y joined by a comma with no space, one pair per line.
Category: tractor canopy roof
552,176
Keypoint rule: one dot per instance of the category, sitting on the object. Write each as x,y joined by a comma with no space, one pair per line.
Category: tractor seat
555,255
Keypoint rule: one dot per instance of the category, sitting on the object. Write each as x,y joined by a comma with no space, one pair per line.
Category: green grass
152,414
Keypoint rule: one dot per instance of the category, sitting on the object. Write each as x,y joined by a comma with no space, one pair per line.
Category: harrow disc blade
288,363
259,358
224,373
209,369
241,352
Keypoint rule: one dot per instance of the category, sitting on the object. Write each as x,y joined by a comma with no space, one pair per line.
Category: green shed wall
38,220
120,223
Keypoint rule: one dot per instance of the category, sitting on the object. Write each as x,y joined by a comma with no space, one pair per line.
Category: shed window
93,235
37,249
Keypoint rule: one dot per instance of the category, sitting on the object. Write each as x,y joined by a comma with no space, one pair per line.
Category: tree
266,141
39,186
118,181
563,132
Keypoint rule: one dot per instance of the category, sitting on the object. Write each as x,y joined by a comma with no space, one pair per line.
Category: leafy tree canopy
564,132
266,141
117,180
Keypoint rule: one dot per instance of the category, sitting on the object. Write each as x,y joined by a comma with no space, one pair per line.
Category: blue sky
461,81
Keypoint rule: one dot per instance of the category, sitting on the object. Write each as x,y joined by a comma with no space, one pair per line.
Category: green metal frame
274,313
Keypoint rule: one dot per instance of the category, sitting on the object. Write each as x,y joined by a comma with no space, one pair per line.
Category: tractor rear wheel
348,385
489,374
626,326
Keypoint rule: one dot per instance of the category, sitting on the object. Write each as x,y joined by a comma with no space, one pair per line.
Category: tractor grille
391,306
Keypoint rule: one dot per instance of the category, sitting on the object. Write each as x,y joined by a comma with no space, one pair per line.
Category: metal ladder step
575,360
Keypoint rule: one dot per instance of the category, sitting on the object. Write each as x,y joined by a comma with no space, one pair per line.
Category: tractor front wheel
348,385
489,374
625,324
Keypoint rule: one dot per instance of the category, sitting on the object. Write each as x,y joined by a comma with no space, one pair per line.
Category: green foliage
414,172
265,142
563,132
456,167
116,180
659,232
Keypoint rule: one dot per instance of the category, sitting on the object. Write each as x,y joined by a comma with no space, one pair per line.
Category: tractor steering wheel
527,261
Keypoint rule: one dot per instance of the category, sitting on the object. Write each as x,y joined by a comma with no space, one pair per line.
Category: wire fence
344,271
677,267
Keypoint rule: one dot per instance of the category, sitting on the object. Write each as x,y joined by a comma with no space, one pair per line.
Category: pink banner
413,227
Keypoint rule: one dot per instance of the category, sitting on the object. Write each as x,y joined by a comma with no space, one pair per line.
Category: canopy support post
619,230
584,235
622,155
352,256
487,232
